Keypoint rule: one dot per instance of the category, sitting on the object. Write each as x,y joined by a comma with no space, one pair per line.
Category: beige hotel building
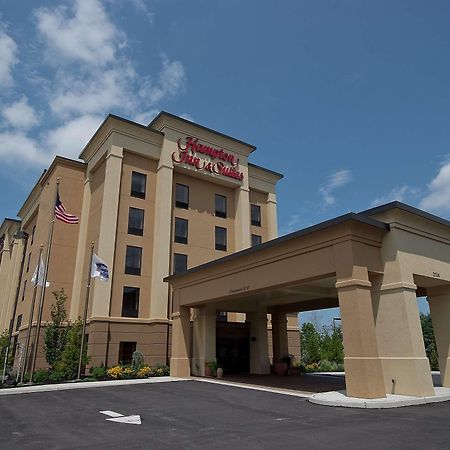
155,200
188,228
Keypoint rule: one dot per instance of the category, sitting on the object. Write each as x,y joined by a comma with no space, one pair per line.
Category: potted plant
211,369
281,366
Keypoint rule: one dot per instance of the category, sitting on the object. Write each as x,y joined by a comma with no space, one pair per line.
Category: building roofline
296,234
190,122
120,119
407,208
277,174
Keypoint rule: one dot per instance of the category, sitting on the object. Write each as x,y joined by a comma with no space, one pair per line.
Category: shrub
71,353
145,372
161,370
128,372
41,376
115,372
98,372
57,376
137,361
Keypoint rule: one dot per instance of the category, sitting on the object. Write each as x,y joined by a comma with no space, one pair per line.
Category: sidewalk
83,385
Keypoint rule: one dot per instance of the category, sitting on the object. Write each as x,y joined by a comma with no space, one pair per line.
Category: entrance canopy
369,264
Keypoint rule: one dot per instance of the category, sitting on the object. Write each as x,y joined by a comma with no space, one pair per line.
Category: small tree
429,340
137,361
310,344
332,346
55,332
71,354
4,342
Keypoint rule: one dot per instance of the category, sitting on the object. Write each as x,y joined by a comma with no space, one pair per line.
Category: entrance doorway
233,347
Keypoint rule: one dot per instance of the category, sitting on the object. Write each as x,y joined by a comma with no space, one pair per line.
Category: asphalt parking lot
190,414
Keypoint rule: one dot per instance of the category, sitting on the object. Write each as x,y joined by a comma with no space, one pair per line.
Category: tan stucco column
439,301
259,346
179,362
162,238
204,339
242,223
82,254
101,296
5,269
279,336
406,369
363,373
272,216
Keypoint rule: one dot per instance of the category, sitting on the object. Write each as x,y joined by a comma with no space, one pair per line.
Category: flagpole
44,284
30,321
86,303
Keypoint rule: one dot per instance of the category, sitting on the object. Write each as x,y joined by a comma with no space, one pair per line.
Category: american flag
60,212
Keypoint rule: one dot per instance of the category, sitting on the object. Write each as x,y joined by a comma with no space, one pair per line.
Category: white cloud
16,147
145,117
83,32
334,181
69,139
438,198
20,114
398,193
141,7
8,58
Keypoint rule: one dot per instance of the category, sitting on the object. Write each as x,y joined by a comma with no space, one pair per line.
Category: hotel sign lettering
219,162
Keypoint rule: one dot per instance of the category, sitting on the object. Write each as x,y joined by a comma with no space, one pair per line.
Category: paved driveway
190,414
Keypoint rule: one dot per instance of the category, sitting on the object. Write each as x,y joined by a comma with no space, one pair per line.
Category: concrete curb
254,387
84,385
339,398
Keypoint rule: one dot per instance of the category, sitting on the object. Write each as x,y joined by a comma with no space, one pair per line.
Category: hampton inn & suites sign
218,162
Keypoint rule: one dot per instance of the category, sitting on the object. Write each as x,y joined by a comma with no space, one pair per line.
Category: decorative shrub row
121,372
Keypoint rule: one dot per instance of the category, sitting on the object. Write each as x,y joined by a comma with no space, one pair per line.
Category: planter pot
219,372
280,368
207,371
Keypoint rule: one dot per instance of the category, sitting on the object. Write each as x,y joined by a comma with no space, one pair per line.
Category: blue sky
349,99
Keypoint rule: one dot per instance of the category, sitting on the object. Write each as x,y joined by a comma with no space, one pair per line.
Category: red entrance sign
187,154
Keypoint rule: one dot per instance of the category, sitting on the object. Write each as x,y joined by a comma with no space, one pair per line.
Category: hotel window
28,262
221,316
256,215
221,239
133,260
126,350
138,183
32,234
182,196
221,206
179,263
19,322
181,230
130,302
136,221
24,289
256,239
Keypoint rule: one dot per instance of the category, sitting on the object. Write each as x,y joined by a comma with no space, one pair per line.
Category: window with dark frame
256,239
24,289
28,262
19,322
130,302
126,350
133,260
221,206
179,263
255,215
221,316
32,234
181,230
182,196
221,239
136,221
138,184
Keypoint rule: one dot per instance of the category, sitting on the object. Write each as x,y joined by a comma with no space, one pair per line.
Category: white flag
99,269
39,275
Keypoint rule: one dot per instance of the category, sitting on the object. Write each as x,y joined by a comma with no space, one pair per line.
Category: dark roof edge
12,220
287,237
407,208
279,175
165,113
121,119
